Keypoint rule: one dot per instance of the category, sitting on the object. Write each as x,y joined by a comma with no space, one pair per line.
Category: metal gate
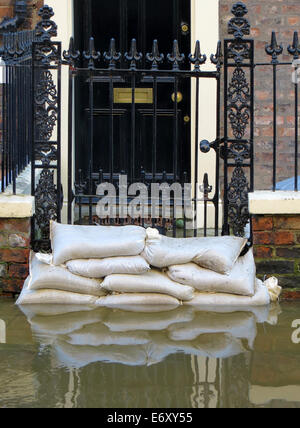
102,196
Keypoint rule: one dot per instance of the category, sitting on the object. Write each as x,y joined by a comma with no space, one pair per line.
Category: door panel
144,20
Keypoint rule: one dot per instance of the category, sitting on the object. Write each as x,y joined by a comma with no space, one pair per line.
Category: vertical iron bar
133,122
70,148
60,201
274,125
218,135
111,127
175,149
91,162
225,230
296,135
196,157
154,144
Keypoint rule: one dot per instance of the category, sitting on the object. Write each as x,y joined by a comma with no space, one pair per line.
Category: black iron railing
17,126
32,119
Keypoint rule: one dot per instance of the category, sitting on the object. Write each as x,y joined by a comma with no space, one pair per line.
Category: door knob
179,97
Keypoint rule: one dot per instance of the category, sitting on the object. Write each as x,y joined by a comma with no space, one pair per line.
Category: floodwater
66,357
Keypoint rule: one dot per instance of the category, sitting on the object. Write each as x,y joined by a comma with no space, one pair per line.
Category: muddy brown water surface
68,357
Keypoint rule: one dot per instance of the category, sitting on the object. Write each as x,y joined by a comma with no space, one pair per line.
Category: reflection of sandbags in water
217,345
65,323
261,312
153,281
275,311
31,311
261,298
47,277
99,334
126,321
241,325
81,356
118,301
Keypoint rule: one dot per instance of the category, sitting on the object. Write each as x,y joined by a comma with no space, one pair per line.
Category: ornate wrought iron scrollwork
238,201
239,103
46,109
240,117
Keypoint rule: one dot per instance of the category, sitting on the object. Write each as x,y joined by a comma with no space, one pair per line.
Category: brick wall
277,248
7,10
14,254
282,16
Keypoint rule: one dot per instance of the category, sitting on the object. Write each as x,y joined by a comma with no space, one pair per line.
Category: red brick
15,225
18,271
14,255
263,238
287,222
262,223
284,238
290,295
263,252
12,285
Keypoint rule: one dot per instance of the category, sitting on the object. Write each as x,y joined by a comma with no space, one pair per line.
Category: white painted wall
64,19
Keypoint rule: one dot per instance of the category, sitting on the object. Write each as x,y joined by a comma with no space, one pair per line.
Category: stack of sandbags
128,267
214,267
101,266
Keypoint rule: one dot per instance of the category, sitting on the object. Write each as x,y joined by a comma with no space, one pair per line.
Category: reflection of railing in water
2,331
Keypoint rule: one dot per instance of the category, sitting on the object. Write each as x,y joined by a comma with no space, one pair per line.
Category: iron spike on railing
176,57
155,57
217,58
294,49
133,56
71,55
274,49
91,55
112,56
205,187
197,59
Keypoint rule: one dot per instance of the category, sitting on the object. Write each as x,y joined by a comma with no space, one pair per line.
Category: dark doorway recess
145,21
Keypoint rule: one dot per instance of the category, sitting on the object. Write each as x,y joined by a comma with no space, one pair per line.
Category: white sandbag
118,301
261,298
241,325
93,268
153,281
81,356
43,276
94,242
217,253
53,297
241,280
121,321
99,334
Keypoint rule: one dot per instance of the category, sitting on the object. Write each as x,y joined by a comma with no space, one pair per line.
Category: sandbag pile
130,267
78,337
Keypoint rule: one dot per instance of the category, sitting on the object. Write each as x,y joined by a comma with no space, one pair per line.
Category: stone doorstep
274,203
16,206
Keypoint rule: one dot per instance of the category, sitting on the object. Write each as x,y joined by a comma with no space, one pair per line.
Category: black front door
145,21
